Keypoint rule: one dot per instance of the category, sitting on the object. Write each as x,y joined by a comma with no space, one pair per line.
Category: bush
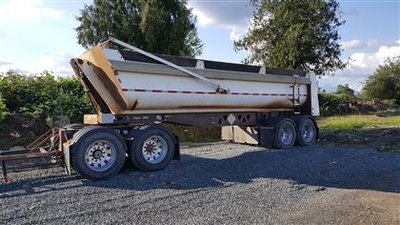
331,103
384,84
342,104
43,94
2,108
345,90
71,101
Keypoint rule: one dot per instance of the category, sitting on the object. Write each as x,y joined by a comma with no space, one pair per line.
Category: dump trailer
134,92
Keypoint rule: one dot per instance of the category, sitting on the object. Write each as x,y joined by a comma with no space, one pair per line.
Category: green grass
395,149
356,122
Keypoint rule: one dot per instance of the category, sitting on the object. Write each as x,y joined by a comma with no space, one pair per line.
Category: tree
345,90
166,27
384,83
2,108
295,34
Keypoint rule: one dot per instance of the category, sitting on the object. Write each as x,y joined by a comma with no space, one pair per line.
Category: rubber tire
277,142
302,122
83,139
135,150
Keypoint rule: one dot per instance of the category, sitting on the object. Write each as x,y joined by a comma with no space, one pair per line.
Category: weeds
356,122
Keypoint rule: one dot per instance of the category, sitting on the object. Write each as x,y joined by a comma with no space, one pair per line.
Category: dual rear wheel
99,152
300,130
153,149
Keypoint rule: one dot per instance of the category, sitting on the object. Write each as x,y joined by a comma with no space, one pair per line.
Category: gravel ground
219,183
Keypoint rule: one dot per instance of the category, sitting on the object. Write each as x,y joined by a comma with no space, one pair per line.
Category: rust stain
107,75
134,105
110,86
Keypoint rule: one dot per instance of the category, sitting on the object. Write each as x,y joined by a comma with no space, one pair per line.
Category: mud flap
177,152
67,158
266,135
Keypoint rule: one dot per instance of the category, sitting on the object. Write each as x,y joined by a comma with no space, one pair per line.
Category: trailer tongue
47,145
133,91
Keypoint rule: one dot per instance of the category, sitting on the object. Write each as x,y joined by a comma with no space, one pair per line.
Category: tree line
43,94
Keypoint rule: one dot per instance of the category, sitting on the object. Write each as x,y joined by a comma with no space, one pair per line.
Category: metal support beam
218,87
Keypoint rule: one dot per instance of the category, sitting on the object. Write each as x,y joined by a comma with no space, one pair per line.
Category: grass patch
381,131
395,149
356,122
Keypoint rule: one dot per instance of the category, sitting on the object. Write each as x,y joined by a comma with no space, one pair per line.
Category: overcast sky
37,35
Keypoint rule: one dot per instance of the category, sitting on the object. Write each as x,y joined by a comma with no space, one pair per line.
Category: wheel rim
100,155
154,149
287,135
308,133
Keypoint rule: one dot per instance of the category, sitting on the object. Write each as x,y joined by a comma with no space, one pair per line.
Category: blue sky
37,35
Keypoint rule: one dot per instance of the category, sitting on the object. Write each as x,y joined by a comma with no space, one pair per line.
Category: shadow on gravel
317,166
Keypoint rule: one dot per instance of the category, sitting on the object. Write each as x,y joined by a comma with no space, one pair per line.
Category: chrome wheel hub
287,136
154,149
100,155
308,133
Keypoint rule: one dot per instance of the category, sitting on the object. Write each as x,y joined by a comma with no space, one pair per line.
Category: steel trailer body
126,87
134,91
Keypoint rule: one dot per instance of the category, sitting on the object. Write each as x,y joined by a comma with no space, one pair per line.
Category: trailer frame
57,142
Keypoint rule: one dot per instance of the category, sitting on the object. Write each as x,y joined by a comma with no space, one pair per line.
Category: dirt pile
381,139
20,129
354,106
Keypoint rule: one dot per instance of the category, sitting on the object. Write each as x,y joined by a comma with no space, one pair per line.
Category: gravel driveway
219,183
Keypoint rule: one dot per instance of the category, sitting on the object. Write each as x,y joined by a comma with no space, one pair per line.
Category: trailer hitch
47,145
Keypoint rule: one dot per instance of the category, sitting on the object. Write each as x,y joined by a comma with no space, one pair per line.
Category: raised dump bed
134,91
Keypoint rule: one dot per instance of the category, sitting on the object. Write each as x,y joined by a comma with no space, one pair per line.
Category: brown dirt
384,205
348,207
20,129
381,139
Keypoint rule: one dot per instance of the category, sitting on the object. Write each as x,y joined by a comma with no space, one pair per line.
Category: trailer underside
246,127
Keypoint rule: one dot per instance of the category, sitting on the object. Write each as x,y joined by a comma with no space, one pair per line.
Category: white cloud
361,65
358,44
232,15
57,63
234,35
3,35
202,19
26,10
227,13
237,33
353,44
2,63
